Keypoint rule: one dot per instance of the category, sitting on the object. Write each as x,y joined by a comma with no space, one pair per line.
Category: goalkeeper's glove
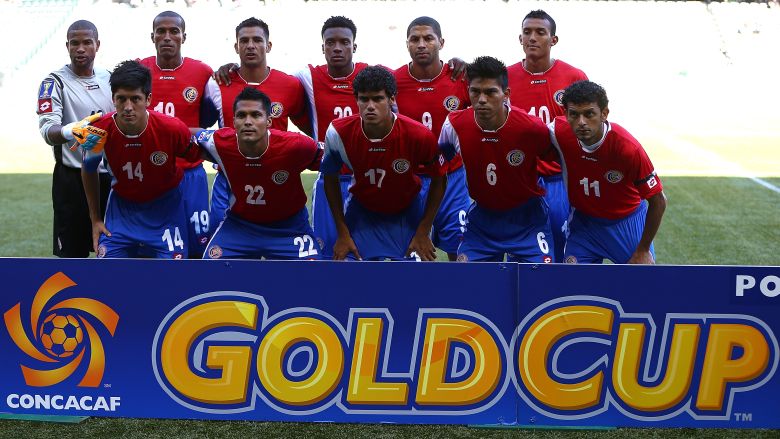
89,137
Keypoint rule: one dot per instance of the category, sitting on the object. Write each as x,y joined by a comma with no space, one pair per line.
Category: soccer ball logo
61,335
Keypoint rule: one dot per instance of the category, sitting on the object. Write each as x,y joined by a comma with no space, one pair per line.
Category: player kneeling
500,145
609,174
145,214
267,215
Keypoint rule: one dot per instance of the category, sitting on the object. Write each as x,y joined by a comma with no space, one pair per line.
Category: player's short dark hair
168,14
339,21
540,14
254,22
425,21
585,92
253,94
487,67
374,78
82,25
131,75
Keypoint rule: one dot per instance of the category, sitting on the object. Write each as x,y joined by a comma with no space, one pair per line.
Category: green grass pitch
709,220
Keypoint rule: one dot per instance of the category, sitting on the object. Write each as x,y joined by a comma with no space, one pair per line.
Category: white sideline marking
695,152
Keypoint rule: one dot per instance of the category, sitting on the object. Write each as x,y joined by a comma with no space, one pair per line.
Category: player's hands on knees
345,245
222,75
423,246
642,257
98,228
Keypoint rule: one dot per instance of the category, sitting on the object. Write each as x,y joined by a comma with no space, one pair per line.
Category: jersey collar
395,118
508,113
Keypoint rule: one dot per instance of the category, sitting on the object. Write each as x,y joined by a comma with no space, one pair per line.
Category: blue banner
392,342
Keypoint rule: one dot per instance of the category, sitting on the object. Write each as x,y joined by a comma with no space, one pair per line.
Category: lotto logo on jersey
280,177
276,109
515,157
614,176
158,158
44,106
401,165
451,103
652,182
190,94
46,88
558,96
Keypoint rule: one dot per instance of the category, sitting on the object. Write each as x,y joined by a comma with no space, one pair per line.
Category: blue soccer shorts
287,239
220,199
322,218
380,236
591,240
450,221
558,204
521,233
156,229
195,190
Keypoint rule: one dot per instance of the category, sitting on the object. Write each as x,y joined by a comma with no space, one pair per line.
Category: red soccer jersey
429,101
610,181
268,188
540,94
331,98
181,92
287,99
143,166
500,165
384,180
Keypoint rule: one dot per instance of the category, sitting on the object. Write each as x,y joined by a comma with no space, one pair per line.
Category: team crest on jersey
558,96
515,157
158,158
276,109
215,252
613,176
190,94
101,251
451,103
46,87
401,165
462,257
571,259
280,177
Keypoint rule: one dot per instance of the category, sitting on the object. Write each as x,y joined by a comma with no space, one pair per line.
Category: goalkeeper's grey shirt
64,97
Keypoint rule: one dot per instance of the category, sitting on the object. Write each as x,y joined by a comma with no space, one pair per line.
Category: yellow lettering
328,370
720,368
363,388
679,367
488,364
233,361
535,349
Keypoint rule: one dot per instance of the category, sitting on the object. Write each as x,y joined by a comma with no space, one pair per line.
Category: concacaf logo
613,176
190,94
62,334
158,158
280,177
558,96
515,157
276,109
401,165
451,103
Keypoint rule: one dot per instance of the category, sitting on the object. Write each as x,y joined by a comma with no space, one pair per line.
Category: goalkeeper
65,96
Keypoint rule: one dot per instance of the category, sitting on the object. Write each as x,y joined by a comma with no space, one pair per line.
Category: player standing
427,94
288,100
500,145
609,174
184,89
329,90
145,213
537,84
267,216
386,217
67,95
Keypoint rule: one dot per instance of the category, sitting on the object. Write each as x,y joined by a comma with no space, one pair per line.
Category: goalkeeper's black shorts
72,231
